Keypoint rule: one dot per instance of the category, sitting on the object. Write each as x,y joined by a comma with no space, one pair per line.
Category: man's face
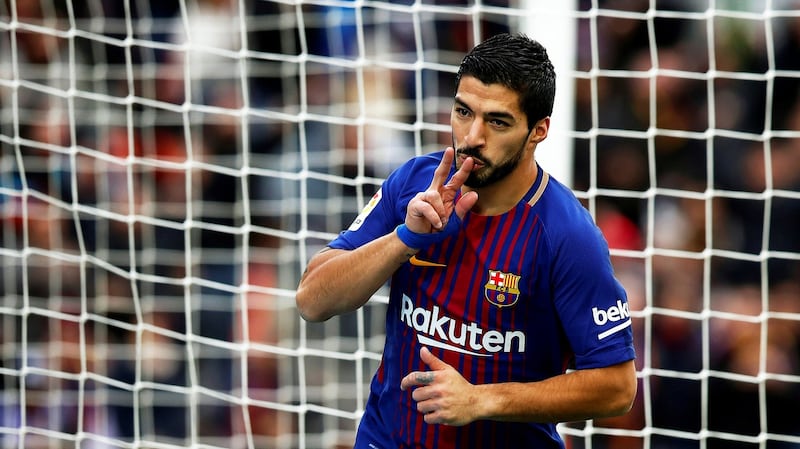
489,126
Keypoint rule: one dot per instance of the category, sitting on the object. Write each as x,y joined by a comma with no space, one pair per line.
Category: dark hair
519,63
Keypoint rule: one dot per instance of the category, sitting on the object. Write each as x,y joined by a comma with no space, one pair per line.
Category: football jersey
517,297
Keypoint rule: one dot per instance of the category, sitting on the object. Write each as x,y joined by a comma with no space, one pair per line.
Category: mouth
477,163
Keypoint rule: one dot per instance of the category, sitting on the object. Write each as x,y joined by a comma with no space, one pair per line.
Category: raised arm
338,281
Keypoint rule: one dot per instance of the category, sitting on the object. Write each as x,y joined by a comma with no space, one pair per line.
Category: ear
540,130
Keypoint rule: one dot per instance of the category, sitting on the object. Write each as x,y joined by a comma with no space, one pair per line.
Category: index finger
461,176
440,175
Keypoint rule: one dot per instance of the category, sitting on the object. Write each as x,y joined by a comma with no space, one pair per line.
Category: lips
477,162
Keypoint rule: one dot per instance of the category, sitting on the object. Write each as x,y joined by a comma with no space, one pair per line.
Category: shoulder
559,204
424,162
567,221
416,173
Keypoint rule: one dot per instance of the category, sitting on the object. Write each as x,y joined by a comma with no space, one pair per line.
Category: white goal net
167,167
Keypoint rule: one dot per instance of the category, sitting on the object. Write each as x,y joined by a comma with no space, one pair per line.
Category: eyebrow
491,114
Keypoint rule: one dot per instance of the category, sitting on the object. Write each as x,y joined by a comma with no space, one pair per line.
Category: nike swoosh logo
424,263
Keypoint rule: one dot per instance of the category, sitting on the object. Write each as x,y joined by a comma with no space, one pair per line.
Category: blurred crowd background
154,157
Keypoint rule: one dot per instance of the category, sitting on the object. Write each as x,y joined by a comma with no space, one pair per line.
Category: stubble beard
490,172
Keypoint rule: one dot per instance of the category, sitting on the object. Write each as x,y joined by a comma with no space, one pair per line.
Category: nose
476,136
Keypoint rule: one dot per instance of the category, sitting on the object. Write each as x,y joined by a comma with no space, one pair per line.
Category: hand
442,394
429,211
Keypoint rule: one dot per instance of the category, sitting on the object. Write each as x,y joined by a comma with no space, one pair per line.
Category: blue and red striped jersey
516,297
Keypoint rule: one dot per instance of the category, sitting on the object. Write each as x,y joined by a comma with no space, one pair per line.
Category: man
504,315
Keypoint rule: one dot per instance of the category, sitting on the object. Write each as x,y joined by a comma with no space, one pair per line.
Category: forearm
338,281
575,396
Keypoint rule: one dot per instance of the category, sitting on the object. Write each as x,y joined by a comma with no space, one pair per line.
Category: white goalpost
167,168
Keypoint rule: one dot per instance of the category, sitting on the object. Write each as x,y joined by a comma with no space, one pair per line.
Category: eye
499,123
461,111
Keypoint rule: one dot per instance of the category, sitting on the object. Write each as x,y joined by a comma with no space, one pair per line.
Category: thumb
465,203
431,360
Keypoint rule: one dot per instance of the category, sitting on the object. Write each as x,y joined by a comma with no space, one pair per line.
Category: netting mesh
168,167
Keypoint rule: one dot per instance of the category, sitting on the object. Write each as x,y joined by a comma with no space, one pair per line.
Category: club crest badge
502,289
